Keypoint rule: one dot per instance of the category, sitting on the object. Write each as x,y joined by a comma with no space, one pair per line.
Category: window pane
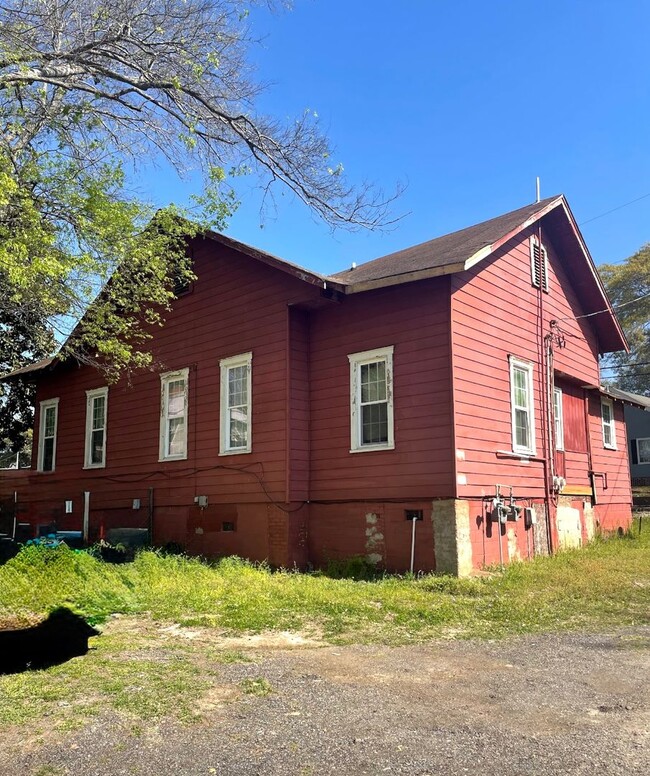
237,386
99,403
607,435
557,415
373,382
176,398
607,413
48,454
644,450
238,427
522,430
97,446
48,426
521,388
175,445
374,423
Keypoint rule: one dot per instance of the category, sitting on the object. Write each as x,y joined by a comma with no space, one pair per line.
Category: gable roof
454,252
444,255
461,250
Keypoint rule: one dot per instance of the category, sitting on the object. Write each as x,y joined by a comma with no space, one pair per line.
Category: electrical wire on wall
193,471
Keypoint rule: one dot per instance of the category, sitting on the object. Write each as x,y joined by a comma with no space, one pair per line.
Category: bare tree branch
170,75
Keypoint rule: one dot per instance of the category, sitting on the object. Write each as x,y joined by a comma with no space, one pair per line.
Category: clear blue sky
465,102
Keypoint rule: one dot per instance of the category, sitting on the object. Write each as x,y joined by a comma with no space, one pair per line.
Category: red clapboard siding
298,406
613,462
212,322
496,313
415,322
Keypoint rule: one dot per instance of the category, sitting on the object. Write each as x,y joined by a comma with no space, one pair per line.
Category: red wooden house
296,417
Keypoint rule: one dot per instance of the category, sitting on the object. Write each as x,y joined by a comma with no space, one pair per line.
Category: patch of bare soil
537,706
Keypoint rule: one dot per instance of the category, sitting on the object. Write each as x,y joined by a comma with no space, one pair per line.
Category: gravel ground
546,704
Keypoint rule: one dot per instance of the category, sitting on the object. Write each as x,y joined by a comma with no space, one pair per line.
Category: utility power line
614,209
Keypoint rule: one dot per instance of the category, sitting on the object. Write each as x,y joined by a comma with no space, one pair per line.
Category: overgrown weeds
145,671
605,583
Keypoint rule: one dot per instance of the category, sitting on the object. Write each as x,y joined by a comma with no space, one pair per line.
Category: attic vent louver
538,264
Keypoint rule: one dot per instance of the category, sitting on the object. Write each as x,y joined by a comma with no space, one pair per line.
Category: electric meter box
530,517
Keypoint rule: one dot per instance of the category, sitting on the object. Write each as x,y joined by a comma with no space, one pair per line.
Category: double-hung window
47,435
558,418
607,415
521,401
371,400
235,435
173,415
643,450
96,412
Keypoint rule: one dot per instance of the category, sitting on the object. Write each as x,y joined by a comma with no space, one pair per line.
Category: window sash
521,400
643,450
558,418
47,435
609,429
371,400
96,412
173,415
236,401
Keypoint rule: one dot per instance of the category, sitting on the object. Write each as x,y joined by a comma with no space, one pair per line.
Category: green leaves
628,286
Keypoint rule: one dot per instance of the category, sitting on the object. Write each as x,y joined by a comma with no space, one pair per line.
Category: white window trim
559,437
165,379
357,360
527,367
243,359
41,428
638,452
543,281
90,396
610,404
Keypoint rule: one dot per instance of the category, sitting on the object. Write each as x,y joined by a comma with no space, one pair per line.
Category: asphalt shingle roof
450,249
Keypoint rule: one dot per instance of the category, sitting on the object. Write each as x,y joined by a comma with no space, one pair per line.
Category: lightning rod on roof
537,189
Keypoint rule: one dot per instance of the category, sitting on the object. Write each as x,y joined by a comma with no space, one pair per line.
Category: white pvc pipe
86,515
414,521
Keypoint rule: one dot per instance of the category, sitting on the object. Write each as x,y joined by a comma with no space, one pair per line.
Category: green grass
144,673
122,672
605,583
260,687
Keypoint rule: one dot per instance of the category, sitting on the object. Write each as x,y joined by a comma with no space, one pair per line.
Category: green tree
89,85
88,89
628,285
24,336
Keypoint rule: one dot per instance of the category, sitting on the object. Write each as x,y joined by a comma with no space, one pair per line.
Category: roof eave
407,277
307,276
31,370
596,277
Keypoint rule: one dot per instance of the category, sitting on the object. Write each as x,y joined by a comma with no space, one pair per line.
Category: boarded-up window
573,415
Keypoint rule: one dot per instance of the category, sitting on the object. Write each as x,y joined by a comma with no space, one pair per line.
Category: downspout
546,452
590,467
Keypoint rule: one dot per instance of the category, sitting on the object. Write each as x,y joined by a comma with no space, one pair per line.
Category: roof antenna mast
537,189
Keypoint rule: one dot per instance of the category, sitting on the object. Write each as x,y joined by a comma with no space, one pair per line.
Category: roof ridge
343,275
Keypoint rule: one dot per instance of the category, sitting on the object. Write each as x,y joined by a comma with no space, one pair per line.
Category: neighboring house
637,423
297,417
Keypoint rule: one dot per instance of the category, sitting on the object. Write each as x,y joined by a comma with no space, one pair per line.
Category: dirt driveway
548,704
